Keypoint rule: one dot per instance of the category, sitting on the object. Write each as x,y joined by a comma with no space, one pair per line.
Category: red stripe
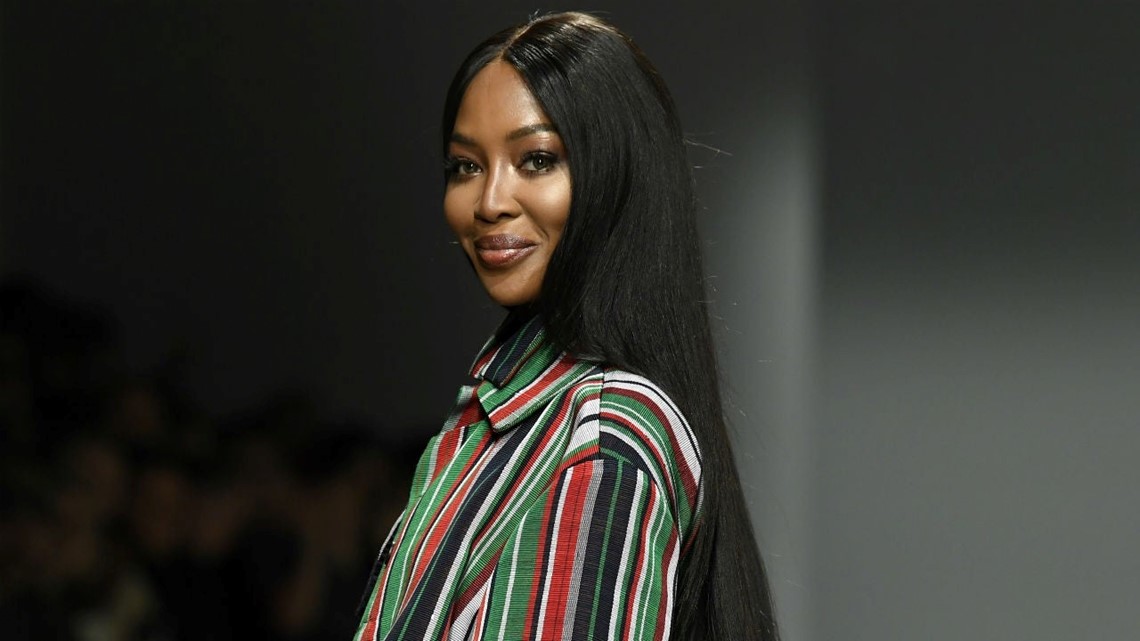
472,413
564,557
524,473
445,450
536,579
693,528
688,478
373,616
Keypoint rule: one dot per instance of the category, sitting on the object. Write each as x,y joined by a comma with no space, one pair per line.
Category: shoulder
638,424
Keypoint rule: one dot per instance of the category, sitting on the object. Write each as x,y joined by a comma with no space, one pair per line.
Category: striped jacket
555,504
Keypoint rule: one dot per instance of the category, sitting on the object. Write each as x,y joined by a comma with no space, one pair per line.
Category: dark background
922,232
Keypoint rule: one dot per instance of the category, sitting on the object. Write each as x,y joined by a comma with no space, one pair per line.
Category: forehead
497,102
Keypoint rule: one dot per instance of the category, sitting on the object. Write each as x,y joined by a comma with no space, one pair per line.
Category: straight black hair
625,284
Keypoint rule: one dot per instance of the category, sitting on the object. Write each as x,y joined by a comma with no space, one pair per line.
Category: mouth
503,250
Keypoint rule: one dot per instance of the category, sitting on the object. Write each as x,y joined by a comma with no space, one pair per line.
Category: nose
497,198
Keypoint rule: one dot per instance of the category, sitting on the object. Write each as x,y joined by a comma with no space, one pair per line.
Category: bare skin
508,190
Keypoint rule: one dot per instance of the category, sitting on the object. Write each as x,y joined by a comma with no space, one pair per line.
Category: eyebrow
521,132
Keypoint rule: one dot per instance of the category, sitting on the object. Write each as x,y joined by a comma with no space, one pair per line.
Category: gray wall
979,422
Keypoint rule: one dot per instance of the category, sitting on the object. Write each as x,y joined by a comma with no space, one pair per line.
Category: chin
511,288
511,294
510,300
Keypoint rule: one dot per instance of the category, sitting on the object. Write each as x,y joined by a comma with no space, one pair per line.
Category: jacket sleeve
595,558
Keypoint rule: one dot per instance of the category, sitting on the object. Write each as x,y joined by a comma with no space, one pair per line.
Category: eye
538,162
458,167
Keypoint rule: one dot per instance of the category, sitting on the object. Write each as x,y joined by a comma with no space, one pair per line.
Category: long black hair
625,284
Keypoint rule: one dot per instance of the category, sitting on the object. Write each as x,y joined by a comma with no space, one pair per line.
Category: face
508,185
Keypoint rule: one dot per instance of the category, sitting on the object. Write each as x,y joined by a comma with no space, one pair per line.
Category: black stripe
502,367
624,494
600,562
618,448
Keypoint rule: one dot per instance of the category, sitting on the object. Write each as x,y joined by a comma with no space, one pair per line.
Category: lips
503,250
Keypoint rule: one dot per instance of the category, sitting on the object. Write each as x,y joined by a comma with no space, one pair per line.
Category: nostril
494,208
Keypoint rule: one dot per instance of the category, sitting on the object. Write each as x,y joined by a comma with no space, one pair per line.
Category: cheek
453,212
551,208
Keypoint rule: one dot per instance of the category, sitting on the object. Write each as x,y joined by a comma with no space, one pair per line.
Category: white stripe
650,566
671,577
586,423
463,623
548,571
511,583
677,423
582,540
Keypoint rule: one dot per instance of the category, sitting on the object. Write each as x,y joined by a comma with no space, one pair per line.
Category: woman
584,486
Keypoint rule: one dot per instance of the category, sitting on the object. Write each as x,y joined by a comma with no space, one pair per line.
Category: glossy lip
503,250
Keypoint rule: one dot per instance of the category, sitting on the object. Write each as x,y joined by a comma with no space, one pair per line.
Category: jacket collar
520,371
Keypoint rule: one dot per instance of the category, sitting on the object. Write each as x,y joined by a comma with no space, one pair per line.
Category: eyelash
453,167
458,167
545,156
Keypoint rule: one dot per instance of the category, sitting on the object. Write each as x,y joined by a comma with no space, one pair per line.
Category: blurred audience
128,514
